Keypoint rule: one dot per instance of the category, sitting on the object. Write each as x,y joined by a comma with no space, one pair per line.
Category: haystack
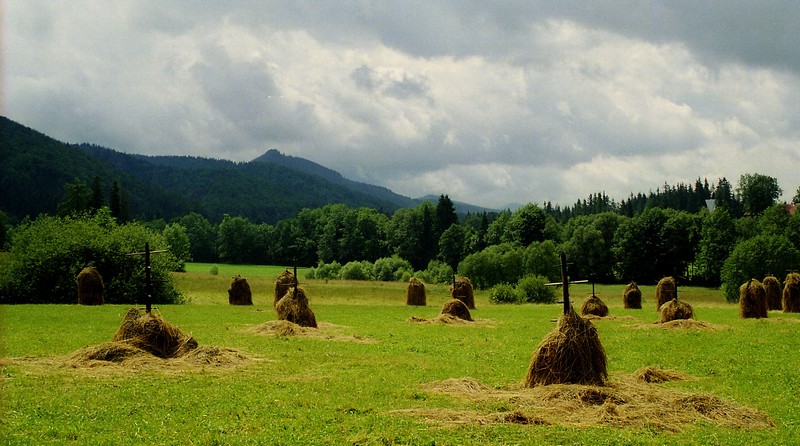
772,287
456,308
674,310
239,292
570,354
154,335
632,296
594,306
791,293
752,300
415,293
282,285
462,290
90,287
666,290
293,307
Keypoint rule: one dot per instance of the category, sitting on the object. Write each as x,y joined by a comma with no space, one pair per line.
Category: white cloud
491,104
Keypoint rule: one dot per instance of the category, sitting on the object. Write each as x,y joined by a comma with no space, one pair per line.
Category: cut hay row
151,333
630,401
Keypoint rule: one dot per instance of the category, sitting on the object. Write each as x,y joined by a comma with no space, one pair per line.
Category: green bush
356,271
48,253
386,268
533,290
438,272
214,270
755,258
325,271
505,294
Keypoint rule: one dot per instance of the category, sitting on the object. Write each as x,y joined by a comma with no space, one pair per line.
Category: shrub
757,257
438,272
356,271
386,268
214,270
47,254
505,294
325,271
533,290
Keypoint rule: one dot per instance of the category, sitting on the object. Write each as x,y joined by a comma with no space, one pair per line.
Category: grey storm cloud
489,102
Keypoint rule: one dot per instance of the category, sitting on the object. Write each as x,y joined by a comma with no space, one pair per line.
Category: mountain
460,207
35,168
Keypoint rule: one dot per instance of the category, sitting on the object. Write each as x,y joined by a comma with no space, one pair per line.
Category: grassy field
365,376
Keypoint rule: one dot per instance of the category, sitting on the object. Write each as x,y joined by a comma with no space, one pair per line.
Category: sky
491,103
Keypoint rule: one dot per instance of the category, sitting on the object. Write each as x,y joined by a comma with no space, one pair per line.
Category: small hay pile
652,375
415,293
293,307
116,352
151,333
772,287
752,300
570,354
279,328
594,306
675,310
666,290
632,296
282,285
462,290
239,293
456,308
791,293
90,287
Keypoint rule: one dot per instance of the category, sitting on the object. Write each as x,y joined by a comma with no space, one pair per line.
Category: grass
306,390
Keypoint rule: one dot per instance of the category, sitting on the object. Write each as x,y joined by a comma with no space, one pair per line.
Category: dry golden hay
215,356
153,334
791,293
682,324
279,328
627,403
632,296
674,310
657,376
570,354
462,290
294,308
115,351
239,292
282,284
594,306
90,287
130,357
752,300
456,308
772,287
666,290
415,293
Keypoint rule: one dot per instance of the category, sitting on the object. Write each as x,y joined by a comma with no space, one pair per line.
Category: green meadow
365,376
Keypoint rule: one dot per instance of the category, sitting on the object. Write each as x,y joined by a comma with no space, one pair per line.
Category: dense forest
684,230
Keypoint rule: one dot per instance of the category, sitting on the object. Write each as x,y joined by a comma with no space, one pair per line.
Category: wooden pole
147,283
564,282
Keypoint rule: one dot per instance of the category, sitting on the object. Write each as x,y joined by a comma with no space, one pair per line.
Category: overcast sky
489,102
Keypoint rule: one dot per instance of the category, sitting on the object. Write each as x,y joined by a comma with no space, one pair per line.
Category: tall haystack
791,293
153,334
594,306
674,310
570,354
293,307
632,296
282,285
415,293
772,287
752,300
462,290
457,308
90,287
239,292
666,290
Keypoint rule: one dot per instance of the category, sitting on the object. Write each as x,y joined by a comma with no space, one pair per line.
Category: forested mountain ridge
36,168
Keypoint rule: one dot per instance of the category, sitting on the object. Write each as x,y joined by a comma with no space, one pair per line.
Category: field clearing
369,376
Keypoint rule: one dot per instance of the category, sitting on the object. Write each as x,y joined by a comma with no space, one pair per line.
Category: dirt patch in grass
628,401
324,331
